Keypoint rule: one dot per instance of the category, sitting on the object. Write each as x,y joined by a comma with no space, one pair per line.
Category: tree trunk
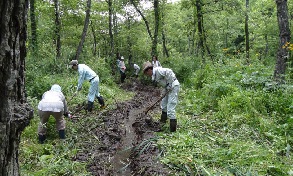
165,50
14,110
156,31
143,17
129,43
57,29
247,32
110,9
95,40
199,27
282,54
86,24
34,41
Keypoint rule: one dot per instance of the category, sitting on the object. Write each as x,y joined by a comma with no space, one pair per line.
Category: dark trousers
123,76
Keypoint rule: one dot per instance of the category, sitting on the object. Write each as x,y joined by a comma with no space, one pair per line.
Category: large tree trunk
57,29
86,24
15,113
282,54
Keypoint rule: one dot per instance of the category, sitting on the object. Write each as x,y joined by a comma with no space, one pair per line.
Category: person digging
166,78
86,73
53,103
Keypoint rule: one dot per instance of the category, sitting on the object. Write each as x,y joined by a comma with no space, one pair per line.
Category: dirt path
126,141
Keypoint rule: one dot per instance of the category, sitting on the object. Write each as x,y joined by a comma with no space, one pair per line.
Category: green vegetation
56,157
234,119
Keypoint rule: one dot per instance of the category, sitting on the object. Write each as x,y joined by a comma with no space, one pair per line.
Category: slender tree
57,38
95,39
282,53
156,30
246,31
154,37
14,110
86,24
110,10
199,13
165,50
34,37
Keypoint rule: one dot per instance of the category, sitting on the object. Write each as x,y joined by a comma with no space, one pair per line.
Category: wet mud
126,137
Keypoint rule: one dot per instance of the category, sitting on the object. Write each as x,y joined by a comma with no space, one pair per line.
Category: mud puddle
121,160
126,144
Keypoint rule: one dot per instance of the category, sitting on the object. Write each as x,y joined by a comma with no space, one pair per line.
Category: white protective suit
167,79
136,69
86,73
156,63
53,103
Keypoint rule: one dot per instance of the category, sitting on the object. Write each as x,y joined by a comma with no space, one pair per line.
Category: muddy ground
126,137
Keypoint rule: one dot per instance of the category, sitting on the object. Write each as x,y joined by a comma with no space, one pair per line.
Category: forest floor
125,136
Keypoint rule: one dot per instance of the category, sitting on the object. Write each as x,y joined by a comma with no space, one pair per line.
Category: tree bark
282,53
143,17
110,9
34,41
247,32
86,24
14,110
95,40
198,5
156,30
57,29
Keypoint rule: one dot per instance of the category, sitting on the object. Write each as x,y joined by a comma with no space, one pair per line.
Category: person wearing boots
53,103
167,79
86,73
122,69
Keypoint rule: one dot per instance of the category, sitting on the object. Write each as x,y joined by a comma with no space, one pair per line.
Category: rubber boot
173,125
62,134
42,139
163,117
101,101
90,106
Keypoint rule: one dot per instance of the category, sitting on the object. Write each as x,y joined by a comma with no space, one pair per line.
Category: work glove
67,114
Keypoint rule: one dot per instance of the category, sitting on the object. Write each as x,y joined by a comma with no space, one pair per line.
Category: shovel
151,107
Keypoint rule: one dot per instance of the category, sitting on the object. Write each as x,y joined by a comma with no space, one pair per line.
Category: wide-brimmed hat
73,62
146,66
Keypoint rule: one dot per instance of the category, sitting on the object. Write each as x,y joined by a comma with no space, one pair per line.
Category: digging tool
150,107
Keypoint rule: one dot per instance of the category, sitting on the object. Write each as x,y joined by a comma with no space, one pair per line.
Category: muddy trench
126,137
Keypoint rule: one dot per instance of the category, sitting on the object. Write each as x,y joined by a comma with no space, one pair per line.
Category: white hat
56,88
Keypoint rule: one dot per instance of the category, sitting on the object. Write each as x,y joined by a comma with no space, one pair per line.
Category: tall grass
233,120
57,157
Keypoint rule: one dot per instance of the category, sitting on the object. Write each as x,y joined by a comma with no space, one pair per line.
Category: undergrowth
57,157
233,120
